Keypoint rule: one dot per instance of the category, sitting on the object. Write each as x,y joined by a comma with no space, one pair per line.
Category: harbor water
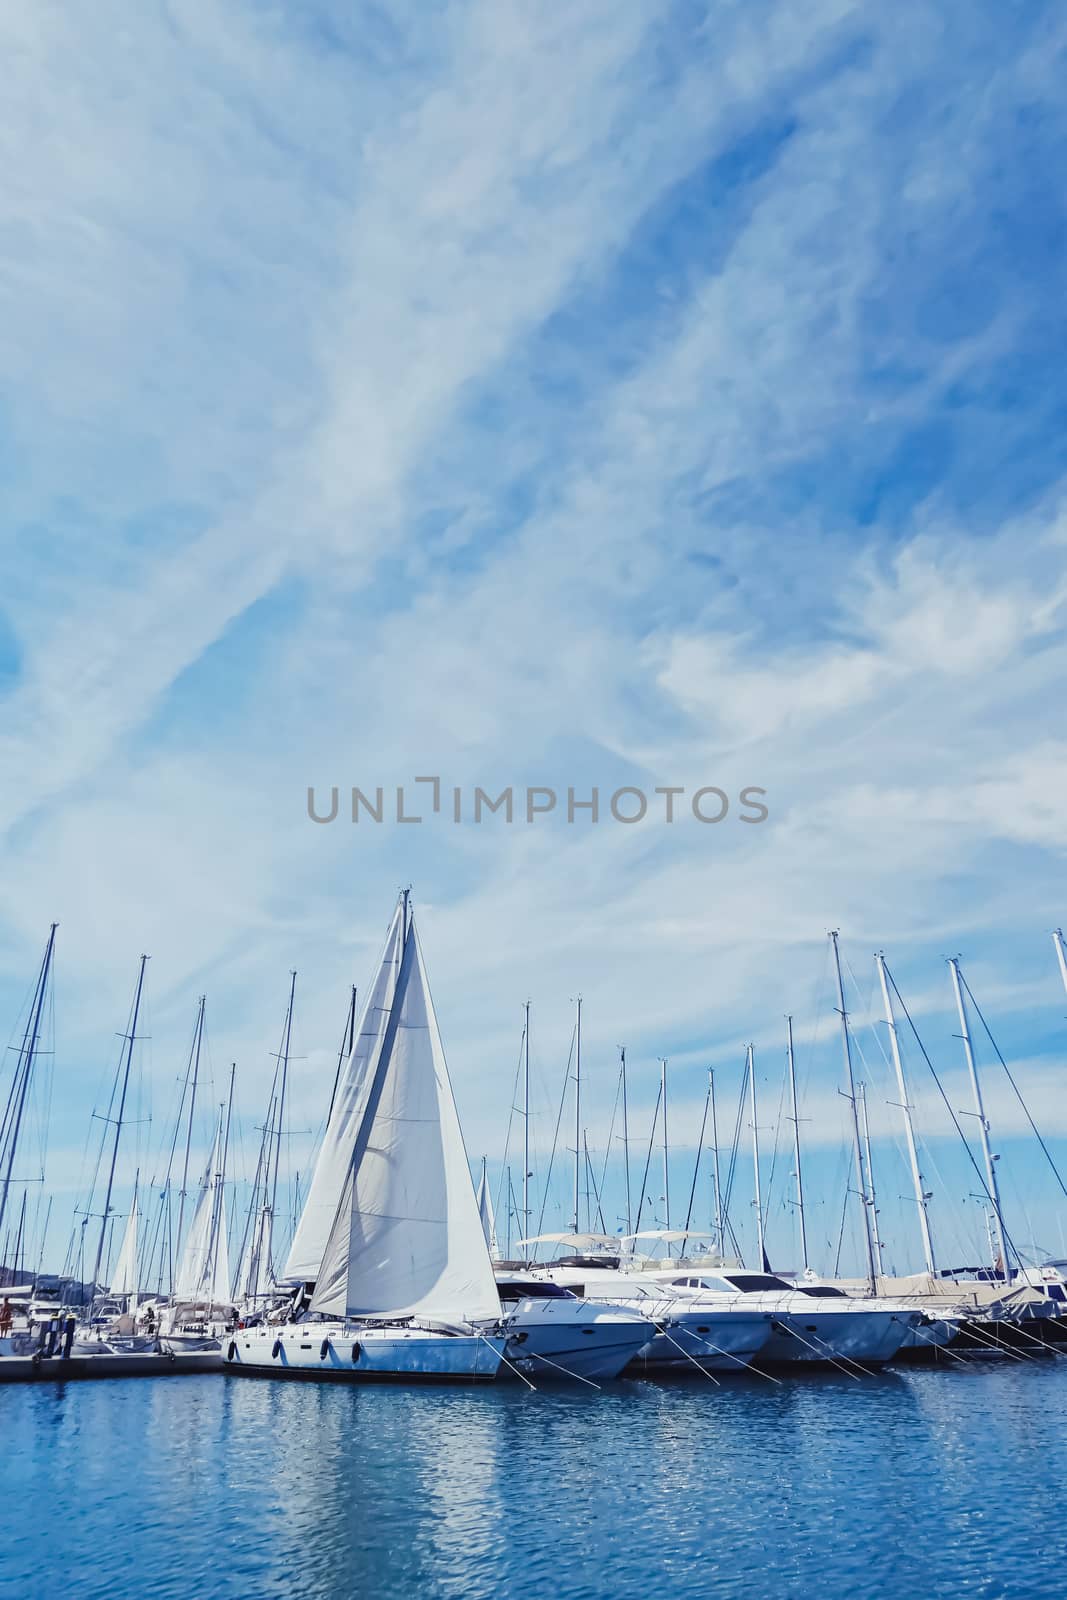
917,1482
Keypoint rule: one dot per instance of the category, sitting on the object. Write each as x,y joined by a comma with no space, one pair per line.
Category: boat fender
171,1356
324,1349
357,1350
276,1350
231,1354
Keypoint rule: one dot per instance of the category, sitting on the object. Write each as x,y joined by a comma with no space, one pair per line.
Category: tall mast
626,1139
526,1130
23,1072
909,1127
666,1165
348,1039
761,1243
983,1123
1061,954
696,1163
198,1037
870,1178
715,1154
130,1038
796,1142
287,1035
220,1185
577,1108
846,1048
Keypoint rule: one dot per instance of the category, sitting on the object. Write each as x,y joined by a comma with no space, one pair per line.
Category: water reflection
923,1482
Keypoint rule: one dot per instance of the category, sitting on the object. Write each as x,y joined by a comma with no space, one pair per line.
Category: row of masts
256,1274
1004,1256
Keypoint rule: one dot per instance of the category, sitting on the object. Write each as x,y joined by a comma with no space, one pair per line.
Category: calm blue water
939,1483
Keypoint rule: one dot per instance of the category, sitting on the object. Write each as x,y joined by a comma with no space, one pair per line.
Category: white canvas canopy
124,1278
485,1211
406,1237
204,1269
335,1154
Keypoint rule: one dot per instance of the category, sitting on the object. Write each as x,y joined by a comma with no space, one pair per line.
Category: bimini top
577,1241
665,1235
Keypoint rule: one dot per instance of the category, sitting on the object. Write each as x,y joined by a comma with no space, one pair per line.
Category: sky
599,397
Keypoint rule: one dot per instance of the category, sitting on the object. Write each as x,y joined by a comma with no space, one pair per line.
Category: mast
1061,954
666,1168
796,1141
287,1034
696,1163
909,1128
846,1048
870,1177
198,1039
23,1072
526,1131
983,1123
130,1038
761,1243
347,1040
219,1220
626,1140
577,1108
715,1153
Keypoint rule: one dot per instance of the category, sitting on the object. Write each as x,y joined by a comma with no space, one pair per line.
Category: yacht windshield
759,1282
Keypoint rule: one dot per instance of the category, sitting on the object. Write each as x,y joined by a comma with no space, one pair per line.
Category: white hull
186,1343
570,1339
359,1354
718,1341
809,1337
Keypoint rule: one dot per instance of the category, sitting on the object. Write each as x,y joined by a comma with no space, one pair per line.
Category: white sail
406,1236
204,1269
485,1211
256,1276
124,1279
335,1154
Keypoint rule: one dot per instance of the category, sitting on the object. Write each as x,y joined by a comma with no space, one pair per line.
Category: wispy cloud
584,397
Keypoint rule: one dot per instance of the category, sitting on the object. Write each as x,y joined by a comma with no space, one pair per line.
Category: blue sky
649,395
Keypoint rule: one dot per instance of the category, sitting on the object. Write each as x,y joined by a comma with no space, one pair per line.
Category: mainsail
204,1269
485,1211
335,1154
124,1279
406,1237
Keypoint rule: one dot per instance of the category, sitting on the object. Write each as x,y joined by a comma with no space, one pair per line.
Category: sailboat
389,1255
202,1285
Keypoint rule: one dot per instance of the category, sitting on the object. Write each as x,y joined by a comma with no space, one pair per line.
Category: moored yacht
552,1332
685,1333
809,1326
398,1278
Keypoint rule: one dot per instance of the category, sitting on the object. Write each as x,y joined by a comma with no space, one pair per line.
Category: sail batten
406,1235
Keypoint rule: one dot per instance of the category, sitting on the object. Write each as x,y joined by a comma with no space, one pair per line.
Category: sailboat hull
358,1354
